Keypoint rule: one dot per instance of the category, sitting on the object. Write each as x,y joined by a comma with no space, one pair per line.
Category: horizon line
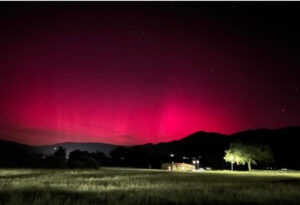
78,142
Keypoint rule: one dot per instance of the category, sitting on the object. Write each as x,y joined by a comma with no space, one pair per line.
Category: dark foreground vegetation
58,159
138,186
279,149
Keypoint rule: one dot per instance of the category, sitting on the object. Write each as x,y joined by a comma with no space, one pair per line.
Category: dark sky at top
132,73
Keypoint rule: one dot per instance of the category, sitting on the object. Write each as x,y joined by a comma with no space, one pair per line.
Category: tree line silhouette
59,159
121,156
136,156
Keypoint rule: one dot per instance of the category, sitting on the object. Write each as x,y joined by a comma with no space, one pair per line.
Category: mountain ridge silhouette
209,145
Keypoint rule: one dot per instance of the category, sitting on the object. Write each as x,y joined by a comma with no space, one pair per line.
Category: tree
101,158
56,160
248,153
60,158
82,159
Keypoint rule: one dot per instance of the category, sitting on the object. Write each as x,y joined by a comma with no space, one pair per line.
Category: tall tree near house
248,153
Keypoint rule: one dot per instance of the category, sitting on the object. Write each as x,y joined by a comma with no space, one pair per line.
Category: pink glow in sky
139,74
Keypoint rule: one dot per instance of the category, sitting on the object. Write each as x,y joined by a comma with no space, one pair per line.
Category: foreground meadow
138,186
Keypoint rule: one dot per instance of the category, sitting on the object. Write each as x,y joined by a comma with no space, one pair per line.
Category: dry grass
136,186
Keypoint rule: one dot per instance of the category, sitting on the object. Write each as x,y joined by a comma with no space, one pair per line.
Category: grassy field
134,186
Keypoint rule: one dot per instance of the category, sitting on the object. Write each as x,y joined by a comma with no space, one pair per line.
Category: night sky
133,73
